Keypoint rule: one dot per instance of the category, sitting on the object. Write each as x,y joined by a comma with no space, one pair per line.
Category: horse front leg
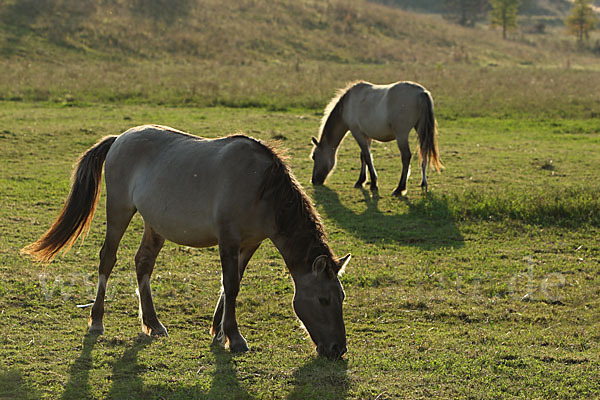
229,334
362,177
406,156
145,259
217,325
364,143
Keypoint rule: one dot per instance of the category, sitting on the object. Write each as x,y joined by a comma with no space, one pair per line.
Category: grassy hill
277,53
555,8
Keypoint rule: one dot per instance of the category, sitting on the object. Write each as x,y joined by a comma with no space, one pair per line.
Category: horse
233,192
382,113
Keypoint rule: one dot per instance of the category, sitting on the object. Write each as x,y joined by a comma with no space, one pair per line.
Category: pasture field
486,287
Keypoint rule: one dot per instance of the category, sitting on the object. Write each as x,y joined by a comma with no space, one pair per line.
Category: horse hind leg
424,174
117,221
145,259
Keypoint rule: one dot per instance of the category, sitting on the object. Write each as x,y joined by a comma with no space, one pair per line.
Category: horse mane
334,107
296,218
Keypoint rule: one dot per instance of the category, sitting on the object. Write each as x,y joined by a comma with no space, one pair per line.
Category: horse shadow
428,224
126,376
125,372
78,386
13,386
225,383
321,379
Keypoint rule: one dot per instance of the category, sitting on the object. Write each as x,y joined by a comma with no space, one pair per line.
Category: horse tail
427,129
78,211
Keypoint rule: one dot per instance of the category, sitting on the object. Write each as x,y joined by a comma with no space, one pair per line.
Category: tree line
503,13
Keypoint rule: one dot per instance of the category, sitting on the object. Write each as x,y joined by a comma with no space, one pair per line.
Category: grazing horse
383,113
233,191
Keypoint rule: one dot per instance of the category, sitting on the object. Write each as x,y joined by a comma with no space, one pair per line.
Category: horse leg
365,148
424,174
230,334
406,156
363,168
117,221
145,259
217,326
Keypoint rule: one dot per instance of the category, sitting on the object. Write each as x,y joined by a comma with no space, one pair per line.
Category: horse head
318,303
324,161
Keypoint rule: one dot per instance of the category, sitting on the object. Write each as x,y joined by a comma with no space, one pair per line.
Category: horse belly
371,119
193,227
197,214
377,128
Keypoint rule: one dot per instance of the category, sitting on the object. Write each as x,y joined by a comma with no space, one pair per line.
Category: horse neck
334,130
300,249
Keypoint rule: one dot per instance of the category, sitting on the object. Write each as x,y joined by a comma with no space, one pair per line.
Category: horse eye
323,301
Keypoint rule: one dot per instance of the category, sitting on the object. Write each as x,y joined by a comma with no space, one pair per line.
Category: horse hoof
156,331
240,347
95,329
358,185
374,188
399,193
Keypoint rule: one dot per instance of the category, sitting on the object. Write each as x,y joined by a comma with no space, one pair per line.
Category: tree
581,21
504,14
465,12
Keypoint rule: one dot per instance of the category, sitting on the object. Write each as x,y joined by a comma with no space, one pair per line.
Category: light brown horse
383,113
234,191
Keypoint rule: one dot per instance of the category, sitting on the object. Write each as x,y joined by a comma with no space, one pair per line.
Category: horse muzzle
333,352
317,180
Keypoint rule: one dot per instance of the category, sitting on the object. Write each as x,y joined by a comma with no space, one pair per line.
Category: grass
487,287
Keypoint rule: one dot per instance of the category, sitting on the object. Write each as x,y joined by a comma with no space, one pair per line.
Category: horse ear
315,141
343,263
319,265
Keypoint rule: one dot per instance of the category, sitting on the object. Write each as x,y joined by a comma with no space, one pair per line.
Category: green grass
486,287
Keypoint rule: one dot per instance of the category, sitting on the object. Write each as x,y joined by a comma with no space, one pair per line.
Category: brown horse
234,191
383,113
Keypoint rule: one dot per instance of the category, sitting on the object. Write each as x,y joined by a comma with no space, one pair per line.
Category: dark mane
296,218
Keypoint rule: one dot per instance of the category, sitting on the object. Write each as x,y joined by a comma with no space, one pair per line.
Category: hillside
552,8
252,52
241,31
